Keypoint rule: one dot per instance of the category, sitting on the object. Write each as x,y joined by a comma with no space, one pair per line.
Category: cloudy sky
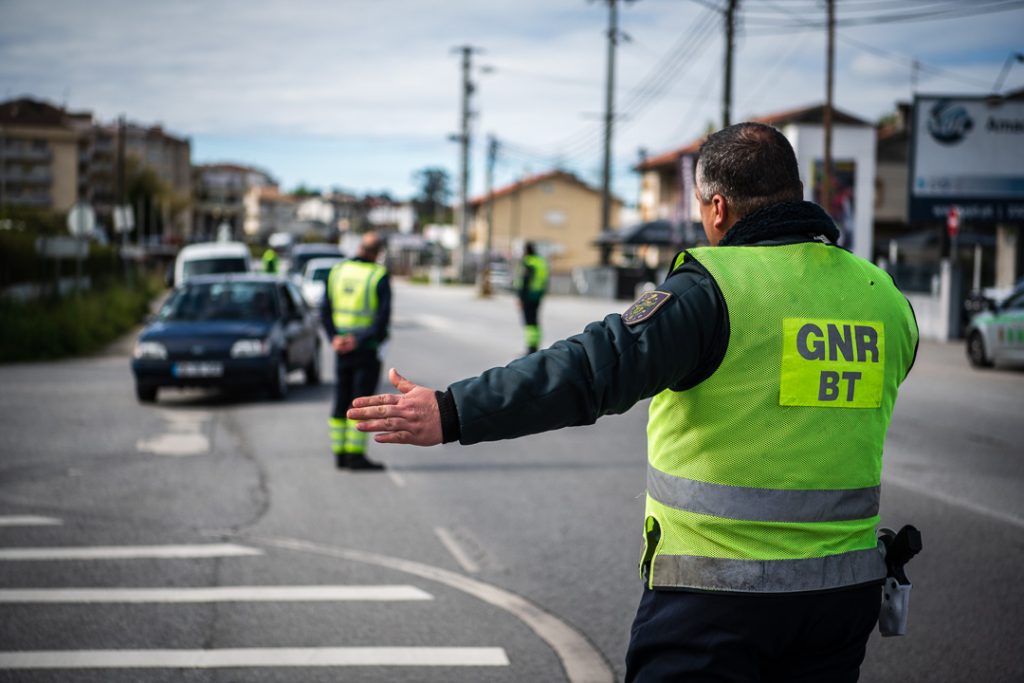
360,93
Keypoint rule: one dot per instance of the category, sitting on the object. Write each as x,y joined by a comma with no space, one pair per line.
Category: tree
432,201
304,192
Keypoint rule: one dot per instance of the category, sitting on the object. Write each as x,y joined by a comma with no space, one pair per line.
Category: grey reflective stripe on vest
770,576
762,505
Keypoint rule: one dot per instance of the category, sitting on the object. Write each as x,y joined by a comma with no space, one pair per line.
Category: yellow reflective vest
352,288
765,476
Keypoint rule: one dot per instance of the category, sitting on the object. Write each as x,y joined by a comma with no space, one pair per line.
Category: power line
782,25
649,89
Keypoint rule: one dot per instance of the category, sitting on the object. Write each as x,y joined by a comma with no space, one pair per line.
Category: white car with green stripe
997,336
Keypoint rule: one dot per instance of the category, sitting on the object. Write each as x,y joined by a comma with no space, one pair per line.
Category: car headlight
150,350
247,348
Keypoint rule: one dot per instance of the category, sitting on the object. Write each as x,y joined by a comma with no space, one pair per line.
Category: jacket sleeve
527,277
326,309
378,329
606,369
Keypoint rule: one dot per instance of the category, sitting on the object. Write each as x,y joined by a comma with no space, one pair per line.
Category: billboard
967,152
842,206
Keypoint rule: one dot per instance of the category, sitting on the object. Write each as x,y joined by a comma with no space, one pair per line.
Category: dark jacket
611,366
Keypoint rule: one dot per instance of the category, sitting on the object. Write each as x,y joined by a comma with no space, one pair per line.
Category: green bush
72,325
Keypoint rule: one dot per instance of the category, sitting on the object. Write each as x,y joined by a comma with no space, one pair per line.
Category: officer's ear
721,218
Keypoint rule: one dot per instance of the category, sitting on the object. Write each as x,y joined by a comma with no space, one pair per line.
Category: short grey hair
751,164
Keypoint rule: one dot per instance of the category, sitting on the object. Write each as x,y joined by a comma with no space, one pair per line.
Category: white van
210,258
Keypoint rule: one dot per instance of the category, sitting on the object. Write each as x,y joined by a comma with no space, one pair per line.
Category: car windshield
321,274
299,261
214,266
222,301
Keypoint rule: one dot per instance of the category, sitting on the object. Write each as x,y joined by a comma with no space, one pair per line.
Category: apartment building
219,191
39,160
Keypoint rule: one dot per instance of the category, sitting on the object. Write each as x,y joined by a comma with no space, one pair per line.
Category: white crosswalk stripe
218,594
128,552
255,657
28,520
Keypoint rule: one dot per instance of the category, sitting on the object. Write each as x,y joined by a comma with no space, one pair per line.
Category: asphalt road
512,561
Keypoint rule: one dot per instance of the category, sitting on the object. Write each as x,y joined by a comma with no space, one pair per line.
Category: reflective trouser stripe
337,431
769,576
762,505
355,440
533,335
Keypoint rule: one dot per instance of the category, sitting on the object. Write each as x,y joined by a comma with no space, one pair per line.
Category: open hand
410,417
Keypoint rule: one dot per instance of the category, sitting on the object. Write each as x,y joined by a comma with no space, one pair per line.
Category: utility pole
609,115
730,43
492,158
826,171
464,141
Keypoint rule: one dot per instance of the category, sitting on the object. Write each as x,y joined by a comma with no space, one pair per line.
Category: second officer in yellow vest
531,285
356,313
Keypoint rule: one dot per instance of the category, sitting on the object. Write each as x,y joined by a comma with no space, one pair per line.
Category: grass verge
71,325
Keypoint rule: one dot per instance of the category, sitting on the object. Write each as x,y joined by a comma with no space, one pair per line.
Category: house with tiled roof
556,210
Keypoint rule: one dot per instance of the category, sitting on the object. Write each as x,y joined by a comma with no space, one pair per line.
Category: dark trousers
531,324
531,309
355,375
807,637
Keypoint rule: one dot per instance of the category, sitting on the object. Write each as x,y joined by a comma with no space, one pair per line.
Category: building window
555,218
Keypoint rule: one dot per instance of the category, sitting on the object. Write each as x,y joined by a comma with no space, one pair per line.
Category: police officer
356,312
270,260
531,286
774,359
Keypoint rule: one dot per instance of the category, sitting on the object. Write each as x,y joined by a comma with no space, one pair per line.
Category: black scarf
779,221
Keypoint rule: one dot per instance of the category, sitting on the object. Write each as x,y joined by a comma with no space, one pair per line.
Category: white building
666,191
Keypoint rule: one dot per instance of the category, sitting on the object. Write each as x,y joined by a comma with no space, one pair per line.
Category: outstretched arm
409,417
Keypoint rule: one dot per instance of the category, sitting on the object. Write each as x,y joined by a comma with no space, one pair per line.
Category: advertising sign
842,206
967,152
682,221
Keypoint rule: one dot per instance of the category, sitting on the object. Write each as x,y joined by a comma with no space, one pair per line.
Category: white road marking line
216,594
28,520
128,552
255,657
932,492
460,555
582,662
397,478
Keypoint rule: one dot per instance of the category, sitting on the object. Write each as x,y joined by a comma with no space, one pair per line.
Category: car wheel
146,393
279,385
976,350
313,369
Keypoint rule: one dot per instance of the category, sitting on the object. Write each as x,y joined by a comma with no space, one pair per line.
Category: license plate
203,369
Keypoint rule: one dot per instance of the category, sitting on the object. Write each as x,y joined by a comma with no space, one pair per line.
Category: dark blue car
228,331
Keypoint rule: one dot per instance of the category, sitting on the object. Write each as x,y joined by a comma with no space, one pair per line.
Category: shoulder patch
644,307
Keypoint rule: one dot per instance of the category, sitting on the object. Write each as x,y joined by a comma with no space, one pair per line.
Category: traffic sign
124,219
81,219
953,221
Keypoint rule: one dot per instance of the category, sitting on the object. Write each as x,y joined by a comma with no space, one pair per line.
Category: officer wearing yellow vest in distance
531,285
356,312
270,260
774,358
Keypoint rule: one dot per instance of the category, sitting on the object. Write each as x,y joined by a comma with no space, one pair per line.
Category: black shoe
358,461
341,461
